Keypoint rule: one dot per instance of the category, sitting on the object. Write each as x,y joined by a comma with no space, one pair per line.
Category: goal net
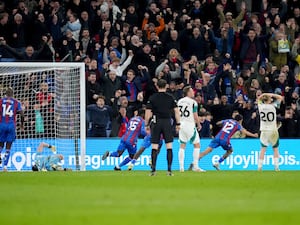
52,96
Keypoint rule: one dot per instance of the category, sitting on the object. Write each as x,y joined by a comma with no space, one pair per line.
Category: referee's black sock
169,158
154,158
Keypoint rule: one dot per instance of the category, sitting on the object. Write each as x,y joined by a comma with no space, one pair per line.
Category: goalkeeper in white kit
49,162
268,126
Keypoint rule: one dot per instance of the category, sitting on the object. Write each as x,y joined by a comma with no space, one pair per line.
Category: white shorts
188,133
269,138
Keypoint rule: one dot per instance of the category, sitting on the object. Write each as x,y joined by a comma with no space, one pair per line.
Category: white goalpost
53,98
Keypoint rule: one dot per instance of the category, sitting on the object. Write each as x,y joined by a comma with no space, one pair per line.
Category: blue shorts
218,142
7,132
147,142
131,148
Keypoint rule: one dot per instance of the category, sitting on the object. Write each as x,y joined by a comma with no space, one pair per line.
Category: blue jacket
219,41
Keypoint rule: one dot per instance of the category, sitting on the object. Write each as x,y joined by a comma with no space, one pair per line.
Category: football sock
181,158
276,164
221,159
133,161
6,157
125,161
153,159
196,157
169,158
260,163
114,154
0,155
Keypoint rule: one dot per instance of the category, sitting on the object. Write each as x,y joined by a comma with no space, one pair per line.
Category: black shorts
164,127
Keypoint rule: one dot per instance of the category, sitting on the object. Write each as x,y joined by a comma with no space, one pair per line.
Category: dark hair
131,4
238,117
132,71
145,44
4,14
201,114
35,168
141,112
161,83
74,15
251,29
126,25
84,28
100,96
113,38
92,73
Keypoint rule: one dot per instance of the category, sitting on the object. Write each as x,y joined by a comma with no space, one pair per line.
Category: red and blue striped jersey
132,90
8,110
135,128
229,127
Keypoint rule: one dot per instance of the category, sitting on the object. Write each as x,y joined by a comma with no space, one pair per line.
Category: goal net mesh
50,99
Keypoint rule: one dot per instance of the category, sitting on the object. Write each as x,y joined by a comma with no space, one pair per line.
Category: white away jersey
187,107
267,113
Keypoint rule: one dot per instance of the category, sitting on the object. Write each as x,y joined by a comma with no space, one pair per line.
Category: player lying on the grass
135,128
268,126
146,144
49,162
229,127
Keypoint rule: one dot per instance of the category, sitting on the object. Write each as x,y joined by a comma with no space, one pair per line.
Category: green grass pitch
134,198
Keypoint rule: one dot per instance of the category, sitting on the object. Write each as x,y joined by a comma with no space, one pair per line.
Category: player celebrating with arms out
229,127
268,126
9,107
188,108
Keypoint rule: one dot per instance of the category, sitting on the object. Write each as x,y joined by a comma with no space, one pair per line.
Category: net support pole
82,118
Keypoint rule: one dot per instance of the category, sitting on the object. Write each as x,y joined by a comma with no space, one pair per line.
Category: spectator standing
100,117
119,69
73,24
4,32
54,26
39,29
18,33
87,43
130,15
111,83
196,45
145,58
279,54
93,89
149,27
250,48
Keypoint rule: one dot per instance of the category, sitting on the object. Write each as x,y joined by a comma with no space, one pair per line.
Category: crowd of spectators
229,51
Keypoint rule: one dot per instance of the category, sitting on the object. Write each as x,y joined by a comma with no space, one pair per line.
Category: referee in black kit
159,108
